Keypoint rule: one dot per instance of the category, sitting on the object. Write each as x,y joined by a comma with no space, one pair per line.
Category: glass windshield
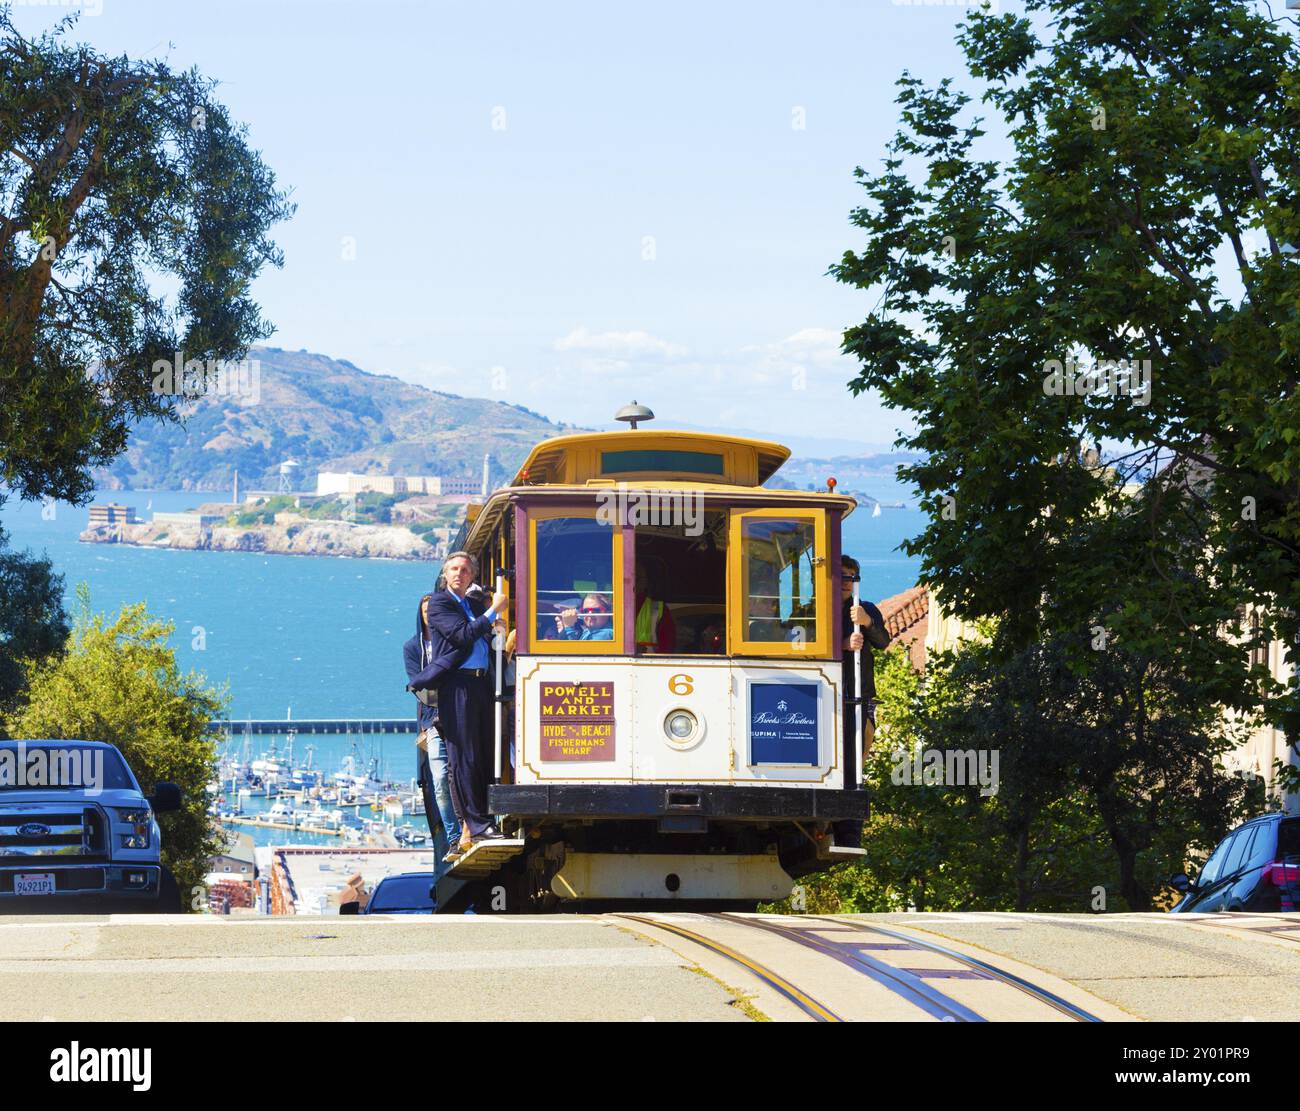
780,602
575,580
403,893
71,766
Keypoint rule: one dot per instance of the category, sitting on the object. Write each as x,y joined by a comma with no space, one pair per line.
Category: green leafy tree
33,625
1108,782
114,173
1147,212
119,682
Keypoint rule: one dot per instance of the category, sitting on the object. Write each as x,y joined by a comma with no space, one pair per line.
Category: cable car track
819,1012
1044,996
907,984
898,980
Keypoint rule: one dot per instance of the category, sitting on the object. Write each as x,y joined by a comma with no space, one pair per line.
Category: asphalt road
598,968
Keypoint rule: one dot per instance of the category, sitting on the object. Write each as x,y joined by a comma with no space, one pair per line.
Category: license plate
39,883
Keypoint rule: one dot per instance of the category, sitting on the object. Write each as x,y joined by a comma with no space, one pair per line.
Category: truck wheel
169,895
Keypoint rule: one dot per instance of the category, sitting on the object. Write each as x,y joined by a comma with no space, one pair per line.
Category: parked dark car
1255,868
409,893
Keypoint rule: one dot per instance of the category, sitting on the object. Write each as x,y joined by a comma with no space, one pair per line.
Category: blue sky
565,206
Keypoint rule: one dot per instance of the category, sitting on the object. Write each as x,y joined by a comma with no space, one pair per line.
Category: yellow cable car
676,732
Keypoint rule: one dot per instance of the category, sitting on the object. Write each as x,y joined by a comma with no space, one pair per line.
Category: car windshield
69,767
402,893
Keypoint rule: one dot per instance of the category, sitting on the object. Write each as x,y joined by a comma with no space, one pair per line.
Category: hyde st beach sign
577,721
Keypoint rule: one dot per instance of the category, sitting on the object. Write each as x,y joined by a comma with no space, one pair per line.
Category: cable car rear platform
646,800
485,857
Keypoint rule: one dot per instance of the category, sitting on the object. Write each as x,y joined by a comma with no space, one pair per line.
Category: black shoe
490,834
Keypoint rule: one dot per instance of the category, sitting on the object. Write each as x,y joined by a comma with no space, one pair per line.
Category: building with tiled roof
907,617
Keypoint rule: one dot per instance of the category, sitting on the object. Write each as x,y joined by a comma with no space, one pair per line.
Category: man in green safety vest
655,629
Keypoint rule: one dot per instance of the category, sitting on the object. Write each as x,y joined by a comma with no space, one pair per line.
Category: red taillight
1285,876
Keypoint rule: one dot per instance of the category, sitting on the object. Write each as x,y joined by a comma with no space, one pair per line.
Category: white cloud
808,344
619,345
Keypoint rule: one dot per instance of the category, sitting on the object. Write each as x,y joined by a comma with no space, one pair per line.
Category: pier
280,726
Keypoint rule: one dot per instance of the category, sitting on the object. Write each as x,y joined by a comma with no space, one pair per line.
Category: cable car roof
691,456
713,466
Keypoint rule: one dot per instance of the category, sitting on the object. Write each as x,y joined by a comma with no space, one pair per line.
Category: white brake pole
499,643
857,689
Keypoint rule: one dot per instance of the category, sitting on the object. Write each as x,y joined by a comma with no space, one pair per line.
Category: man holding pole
864,629
465,705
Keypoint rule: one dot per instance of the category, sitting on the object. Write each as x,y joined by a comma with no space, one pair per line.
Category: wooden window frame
538,646
823,645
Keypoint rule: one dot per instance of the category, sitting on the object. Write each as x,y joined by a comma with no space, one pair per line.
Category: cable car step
486,857
844,852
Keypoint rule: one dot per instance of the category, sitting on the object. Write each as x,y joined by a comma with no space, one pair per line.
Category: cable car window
781,579
778,583
680,596
574,573
691,462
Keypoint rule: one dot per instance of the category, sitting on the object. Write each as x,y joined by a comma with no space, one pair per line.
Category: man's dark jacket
875,636
420,674
451,637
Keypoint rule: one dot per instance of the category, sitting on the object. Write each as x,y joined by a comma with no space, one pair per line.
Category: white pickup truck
77,835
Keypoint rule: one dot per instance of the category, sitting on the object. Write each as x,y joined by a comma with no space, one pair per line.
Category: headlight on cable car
680,725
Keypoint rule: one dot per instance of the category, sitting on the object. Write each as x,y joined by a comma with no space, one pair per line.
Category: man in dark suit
864,629
460,629
423,670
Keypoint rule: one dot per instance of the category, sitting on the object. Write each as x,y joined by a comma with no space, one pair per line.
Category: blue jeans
442,796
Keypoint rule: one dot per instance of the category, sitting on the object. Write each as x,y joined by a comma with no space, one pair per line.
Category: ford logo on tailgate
33,829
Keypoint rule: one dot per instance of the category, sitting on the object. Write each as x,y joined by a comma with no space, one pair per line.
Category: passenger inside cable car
575,580
681,585
591,622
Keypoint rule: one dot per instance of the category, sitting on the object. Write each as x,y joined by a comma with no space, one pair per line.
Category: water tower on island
288,476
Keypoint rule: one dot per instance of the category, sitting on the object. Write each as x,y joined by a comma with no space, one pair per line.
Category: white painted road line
494,960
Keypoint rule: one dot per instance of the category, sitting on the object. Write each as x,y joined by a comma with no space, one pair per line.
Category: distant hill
328,415
873,475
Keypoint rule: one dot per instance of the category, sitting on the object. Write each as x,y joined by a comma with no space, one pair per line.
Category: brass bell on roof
633,413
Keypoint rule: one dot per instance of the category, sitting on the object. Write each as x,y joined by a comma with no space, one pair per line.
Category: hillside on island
328,415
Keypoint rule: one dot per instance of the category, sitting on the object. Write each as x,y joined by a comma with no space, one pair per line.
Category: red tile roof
907,617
